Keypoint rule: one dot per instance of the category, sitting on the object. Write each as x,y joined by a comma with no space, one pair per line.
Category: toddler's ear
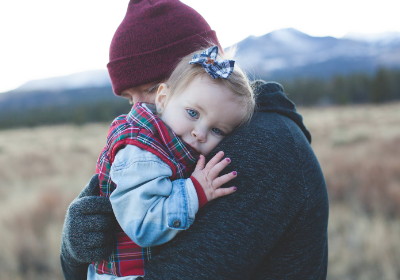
161,97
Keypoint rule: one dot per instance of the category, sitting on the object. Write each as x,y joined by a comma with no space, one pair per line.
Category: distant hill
95,78
77,88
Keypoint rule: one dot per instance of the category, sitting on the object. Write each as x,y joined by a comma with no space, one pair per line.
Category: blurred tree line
100,105
356,88
76,106
79,114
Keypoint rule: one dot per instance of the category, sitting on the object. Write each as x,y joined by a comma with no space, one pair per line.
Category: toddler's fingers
217,168
224,191
200,163
219,181
215,159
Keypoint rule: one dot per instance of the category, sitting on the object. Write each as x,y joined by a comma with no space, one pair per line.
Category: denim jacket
150,208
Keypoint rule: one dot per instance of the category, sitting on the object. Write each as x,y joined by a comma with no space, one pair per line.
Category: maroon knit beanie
152,38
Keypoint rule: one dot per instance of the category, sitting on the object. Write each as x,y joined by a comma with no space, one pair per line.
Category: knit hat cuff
155,65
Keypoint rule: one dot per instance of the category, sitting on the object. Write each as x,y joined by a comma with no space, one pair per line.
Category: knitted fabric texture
79,223
147,131
152,38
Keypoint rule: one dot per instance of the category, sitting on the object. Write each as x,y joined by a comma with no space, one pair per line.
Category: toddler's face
202,114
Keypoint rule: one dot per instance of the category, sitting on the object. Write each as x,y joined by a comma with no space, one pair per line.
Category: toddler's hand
207,176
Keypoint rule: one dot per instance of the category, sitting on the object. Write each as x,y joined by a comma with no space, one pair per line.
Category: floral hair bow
216,68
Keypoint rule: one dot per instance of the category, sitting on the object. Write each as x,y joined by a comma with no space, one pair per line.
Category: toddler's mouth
192,146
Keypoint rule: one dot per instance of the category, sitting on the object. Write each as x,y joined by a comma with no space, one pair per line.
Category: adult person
273,227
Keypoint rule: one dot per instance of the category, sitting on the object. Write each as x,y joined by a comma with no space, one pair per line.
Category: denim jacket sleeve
150,208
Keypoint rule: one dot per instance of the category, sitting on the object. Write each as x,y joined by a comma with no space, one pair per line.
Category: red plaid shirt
147,131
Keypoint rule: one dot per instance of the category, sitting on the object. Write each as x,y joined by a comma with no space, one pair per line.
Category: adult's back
275,225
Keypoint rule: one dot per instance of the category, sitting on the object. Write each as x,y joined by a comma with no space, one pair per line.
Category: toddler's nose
199,135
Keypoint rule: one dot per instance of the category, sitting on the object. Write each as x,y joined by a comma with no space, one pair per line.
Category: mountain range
281,55
289,53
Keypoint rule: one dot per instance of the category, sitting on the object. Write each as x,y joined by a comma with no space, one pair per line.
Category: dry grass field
43,169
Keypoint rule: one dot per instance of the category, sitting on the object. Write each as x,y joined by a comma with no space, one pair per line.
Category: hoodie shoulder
270,97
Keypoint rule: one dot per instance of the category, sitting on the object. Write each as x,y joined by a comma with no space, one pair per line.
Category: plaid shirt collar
143,115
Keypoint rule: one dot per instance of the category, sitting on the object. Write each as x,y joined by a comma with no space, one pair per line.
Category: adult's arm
87,233
73,270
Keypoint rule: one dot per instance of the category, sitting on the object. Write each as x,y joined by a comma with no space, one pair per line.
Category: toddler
148,167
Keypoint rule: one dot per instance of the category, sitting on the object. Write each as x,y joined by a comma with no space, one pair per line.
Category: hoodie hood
270,97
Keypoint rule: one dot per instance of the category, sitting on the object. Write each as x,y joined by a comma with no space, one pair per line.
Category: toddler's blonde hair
237,82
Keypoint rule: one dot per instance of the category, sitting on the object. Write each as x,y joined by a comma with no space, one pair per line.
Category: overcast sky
46,38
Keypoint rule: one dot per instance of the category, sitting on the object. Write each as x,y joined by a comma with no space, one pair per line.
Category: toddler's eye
192,113
218,131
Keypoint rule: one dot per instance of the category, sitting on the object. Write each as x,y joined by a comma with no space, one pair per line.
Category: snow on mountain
281,49
385,38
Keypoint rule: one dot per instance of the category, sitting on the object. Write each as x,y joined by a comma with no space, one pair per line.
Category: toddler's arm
150,208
